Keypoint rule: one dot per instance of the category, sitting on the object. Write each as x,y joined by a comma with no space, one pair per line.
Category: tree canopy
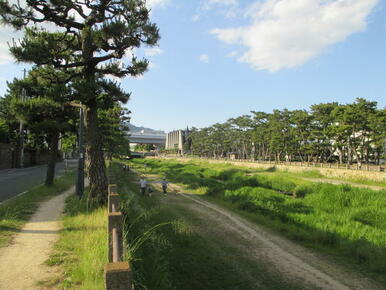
330,131
93,39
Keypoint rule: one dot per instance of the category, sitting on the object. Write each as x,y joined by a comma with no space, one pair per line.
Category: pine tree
94,36
46,111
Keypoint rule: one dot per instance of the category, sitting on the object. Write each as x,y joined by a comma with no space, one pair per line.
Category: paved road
15,181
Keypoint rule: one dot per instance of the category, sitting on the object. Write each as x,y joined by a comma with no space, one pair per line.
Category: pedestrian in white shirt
143,185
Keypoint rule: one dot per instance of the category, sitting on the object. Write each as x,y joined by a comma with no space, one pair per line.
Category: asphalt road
15,181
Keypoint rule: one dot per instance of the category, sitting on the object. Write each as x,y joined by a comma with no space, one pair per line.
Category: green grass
314,173
15,212
347,221
173,255
82,246
304,172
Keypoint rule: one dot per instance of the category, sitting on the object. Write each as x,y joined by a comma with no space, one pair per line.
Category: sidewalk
22,263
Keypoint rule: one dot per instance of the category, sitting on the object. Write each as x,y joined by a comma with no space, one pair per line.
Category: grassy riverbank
169,250
347,221
360,177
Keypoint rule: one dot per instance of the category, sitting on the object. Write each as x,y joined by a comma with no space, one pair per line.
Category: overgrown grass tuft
16,211
82,247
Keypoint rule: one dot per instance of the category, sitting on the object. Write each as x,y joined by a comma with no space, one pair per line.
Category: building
175,140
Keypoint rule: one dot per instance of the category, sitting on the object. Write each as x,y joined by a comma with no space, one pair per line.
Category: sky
219,59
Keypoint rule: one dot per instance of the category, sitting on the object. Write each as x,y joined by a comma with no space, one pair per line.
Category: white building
176,140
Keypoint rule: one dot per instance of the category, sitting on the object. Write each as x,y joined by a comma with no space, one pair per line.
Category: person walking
143,185
164,184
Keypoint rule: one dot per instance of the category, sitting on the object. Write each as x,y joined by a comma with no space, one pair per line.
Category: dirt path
22,263
292,261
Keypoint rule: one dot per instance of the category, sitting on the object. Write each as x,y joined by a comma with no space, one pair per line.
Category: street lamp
79,187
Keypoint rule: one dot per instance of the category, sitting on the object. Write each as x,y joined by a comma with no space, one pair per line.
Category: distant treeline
329,132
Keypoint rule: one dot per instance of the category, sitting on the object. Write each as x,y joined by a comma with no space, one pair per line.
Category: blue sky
219,59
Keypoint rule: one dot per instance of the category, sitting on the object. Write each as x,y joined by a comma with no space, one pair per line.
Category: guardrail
118,275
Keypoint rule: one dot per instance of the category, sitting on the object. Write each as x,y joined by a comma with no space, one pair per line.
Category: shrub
263,181
228,174
370,216
301,190
281,184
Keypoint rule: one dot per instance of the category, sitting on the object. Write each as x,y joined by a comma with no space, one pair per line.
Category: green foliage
69,143
326,133
114,130
3,131
144,147
301,190
371,217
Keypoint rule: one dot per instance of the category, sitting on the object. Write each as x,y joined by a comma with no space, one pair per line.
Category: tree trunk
94,149
53,147
95,160
340,152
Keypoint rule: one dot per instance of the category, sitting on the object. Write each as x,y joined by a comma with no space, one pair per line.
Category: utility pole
79,186
21,128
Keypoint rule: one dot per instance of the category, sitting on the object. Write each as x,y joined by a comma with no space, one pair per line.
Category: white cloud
227,8
204,58
232,53
209,4
288,33
153,51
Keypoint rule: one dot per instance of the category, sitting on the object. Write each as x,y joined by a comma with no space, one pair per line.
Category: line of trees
76,46
328,132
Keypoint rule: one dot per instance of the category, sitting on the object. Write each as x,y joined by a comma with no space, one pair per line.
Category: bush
302,190
370,216
283,185
263,181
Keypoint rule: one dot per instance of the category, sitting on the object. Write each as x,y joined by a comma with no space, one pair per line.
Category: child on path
143,185
164,185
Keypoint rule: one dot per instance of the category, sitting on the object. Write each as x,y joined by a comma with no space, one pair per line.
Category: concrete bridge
143,138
